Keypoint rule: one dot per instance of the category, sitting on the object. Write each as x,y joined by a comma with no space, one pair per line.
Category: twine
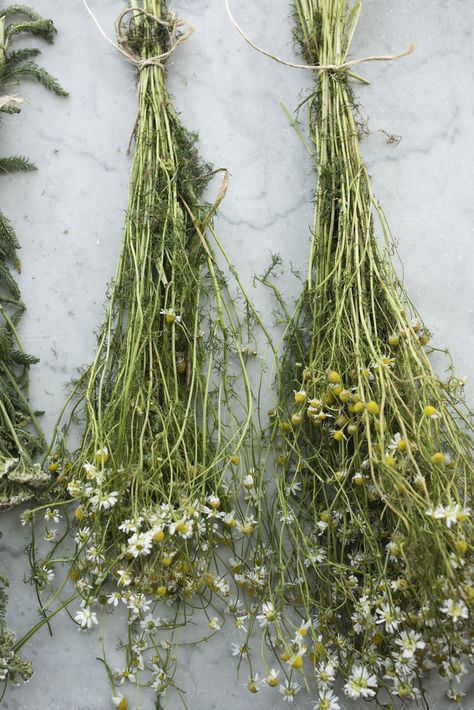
316,67
124,48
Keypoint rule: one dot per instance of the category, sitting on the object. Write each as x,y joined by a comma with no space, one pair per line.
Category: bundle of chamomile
164,409
374,451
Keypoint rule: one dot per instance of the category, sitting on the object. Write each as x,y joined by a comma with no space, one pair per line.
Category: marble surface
70,217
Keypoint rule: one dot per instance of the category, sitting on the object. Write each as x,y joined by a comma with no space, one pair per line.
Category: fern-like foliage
20,437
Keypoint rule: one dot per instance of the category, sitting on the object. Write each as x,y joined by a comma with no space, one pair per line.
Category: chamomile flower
214,623
86,618
114,598
124,577
455,609
268,614
327,701
410,642
150,623
104,501
126,675
289,690
170,315
120,702
390,617
53,514
360,684
139,544
92,474
273,678
325,674
241,650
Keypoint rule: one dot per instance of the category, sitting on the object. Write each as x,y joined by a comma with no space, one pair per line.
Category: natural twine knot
317,67
175,35
173,26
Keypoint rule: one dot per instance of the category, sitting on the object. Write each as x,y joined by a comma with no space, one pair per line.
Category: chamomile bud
161,591
344,395
359,407
53,467
402,445
235,459
390,461
461,546
424,339
333,377
358,479
372,407
248,481
431,412
394,340
352,429
300,396
438,458
296,419
101,455
181,365
285,426
337,435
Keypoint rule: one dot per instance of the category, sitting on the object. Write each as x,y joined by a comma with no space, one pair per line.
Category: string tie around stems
344,66
176,36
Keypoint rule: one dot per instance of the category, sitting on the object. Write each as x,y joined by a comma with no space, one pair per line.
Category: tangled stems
165,407
374,451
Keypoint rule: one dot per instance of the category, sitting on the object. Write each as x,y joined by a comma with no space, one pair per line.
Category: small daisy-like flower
360,683
114,598
272,679
150,623
27,518
240,650
268,614
239,623
126,675
104,501
53,514
183,527
120,702
327,701
130,526
410,642
325,674
253,684
86,618
289,691
50,535
124,577
247,526
139,544
455,609
454,668
214,623
92,474
170,315
390,617
294,488
303,629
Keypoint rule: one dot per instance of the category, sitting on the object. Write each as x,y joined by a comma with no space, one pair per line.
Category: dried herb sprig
376,467
21,439
162,414
20,436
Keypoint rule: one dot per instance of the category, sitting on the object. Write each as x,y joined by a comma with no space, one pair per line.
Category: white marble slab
69,219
